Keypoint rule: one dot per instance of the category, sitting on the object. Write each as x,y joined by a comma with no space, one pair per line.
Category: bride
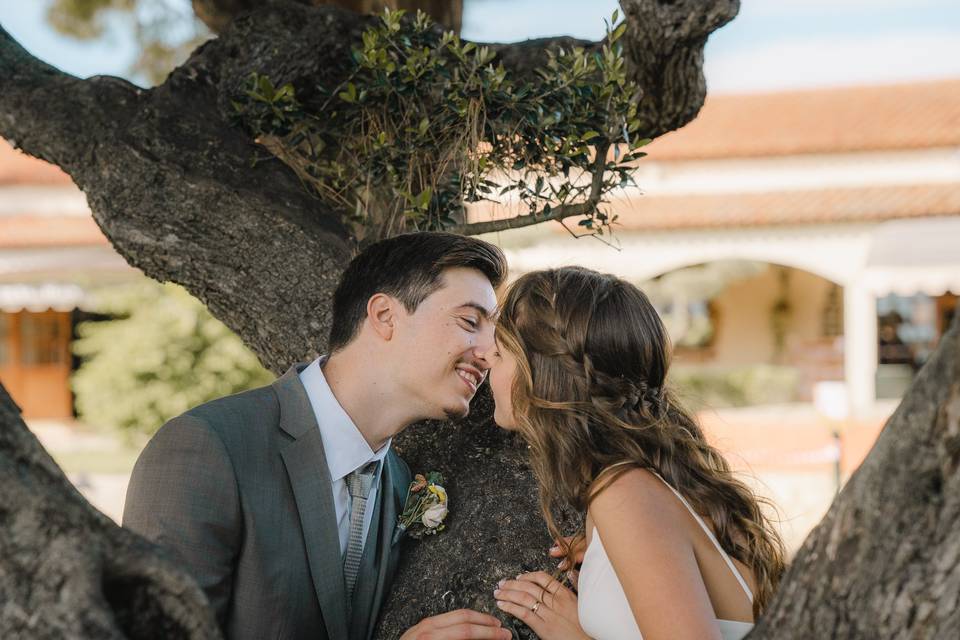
675,546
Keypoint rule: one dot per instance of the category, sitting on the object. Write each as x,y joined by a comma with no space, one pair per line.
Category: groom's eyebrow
486,313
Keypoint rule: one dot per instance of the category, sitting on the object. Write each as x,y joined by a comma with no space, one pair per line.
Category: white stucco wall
744,331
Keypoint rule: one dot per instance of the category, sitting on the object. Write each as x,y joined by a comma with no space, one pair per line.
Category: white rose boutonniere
433,516
425,508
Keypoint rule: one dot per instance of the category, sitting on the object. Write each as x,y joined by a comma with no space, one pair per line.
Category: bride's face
503,368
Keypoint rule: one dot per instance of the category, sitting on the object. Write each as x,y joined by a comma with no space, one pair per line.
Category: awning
920,255
58,264
41,297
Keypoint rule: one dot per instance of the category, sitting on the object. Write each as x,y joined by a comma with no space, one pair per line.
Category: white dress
602,605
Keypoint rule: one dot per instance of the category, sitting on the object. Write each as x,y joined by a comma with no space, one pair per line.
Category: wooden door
9,356
35,362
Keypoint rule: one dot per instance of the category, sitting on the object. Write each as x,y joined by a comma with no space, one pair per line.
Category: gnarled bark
169,180
885,561
665,51
67,571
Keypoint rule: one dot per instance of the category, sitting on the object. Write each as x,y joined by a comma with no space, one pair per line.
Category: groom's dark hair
408,267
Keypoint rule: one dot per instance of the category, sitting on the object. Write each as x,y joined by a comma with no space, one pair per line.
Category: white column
859,346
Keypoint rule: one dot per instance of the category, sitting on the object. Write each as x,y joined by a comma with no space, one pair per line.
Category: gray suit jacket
239,491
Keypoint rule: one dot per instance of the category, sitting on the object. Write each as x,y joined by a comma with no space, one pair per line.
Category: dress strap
713,539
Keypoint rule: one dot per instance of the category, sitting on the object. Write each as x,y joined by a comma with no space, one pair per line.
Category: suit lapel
306,466
376,592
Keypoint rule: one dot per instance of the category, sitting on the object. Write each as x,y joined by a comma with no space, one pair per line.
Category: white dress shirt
344,446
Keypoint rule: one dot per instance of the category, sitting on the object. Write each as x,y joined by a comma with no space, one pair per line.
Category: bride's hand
556,551
543,604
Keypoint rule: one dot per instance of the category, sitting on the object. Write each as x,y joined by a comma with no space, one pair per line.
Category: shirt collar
344,446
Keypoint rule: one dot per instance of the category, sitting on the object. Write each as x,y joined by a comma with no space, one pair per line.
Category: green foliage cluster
84,19
165,32
715,387
424,123
162,354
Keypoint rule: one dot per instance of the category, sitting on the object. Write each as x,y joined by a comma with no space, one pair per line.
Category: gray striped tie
359,483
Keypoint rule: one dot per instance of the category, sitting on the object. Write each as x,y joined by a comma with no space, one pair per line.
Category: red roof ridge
828,120
793,207
18,168
916,115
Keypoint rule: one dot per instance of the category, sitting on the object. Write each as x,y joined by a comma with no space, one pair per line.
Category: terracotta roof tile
874,118
860,204
18,168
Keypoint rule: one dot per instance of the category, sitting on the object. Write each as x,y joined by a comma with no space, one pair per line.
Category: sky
772,45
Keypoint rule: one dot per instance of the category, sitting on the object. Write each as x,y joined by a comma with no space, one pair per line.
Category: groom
282,501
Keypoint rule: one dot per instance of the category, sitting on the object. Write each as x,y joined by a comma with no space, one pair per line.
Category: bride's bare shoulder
635,496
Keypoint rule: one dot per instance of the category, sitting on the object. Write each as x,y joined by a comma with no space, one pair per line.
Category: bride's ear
382,315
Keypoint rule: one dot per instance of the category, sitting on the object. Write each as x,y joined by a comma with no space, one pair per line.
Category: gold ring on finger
536,606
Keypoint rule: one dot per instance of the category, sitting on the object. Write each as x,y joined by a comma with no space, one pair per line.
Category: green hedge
735,386
161,354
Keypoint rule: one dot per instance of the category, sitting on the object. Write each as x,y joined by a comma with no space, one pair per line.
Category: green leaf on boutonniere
425,508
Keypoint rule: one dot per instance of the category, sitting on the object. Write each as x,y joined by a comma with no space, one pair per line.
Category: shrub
734,386
161,354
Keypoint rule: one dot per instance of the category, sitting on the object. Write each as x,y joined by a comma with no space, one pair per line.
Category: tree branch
50,112
169,181
523,59
557,213
664,48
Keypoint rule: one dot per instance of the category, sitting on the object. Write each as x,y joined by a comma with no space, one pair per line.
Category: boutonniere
425,507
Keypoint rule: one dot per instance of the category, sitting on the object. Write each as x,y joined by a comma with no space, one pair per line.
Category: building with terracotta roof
812,230
52,256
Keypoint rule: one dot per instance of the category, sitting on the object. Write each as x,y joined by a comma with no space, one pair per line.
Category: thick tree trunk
885,561
170,182
67,571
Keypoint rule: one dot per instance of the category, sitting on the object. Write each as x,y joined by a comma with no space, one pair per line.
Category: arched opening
750,333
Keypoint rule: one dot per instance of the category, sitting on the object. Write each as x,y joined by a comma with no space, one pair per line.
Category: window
6,329
946,309
42,339
907,329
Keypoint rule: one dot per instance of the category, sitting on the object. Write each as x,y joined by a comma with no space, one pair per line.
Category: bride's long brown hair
590,399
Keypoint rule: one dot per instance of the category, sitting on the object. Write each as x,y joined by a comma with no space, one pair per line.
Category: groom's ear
382,314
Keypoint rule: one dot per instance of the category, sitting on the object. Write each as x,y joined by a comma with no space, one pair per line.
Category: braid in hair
590,399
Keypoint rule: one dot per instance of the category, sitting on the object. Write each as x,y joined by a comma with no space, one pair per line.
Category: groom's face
446,343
